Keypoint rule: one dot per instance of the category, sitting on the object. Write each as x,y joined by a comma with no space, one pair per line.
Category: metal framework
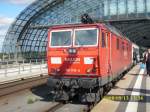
30,42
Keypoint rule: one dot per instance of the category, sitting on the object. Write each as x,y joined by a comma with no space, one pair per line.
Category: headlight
88,60
56,60
72,50
55,70
89,70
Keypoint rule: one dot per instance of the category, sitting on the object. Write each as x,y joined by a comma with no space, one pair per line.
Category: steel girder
129,16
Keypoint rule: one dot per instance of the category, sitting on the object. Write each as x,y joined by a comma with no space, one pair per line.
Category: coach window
103,40
117,44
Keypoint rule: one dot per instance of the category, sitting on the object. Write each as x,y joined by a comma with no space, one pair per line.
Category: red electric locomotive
85,59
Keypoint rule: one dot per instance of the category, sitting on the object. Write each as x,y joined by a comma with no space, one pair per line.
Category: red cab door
104,53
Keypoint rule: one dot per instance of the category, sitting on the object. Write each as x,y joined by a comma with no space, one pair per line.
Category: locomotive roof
73,25
102,25
115,31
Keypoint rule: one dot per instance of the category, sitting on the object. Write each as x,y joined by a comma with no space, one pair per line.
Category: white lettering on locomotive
72,70
72,59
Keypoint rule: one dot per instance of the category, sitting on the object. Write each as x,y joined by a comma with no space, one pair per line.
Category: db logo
72,59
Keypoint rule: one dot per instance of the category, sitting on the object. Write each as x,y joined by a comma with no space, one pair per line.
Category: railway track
10,87
60,107
56,107
19,85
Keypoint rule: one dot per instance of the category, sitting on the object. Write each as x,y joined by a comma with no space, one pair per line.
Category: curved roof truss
129,16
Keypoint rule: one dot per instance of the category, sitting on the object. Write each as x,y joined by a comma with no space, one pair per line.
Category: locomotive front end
72,59
86,60
73,52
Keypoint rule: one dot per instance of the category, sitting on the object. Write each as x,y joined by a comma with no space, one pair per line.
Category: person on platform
147,61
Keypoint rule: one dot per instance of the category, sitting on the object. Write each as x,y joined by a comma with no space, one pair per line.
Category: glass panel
106,8
121,6
86,37
61,38
113,7
131,6
148,4
140,6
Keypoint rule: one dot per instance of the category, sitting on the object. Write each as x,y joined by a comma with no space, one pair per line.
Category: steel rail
56,107
10,87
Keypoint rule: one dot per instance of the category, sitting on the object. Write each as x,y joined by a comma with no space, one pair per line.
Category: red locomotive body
85,59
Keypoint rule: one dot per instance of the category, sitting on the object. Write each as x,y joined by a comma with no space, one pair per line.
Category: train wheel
61,96
101,92
114,83
110,85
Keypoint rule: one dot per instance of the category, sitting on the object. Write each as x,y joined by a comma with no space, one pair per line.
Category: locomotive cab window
86,37
60,38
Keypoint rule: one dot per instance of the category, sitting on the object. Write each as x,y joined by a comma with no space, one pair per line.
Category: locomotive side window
103,40
127,47
106,40
122,45
61,38
117,43
86,37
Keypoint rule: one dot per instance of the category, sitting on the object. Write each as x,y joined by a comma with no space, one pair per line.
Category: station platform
130,94
22,72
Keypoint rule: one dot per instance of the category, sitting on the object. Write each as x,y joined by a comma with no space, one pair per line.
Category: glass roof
31,42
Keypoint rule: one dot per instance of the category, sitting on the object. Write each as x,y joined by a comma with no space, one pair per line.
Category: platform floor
130,94
17,73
